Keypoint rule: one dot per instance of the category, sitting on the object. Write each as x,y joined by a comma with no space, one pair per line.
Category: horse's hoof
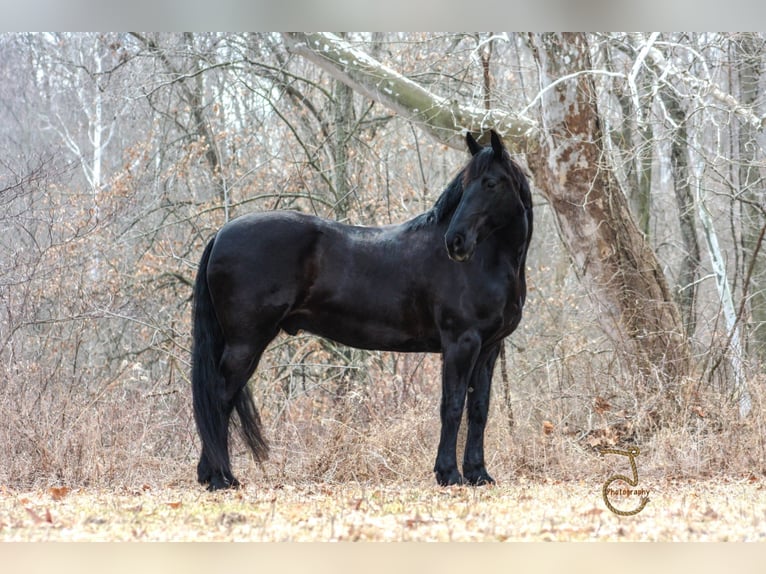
480,478
477,476
451,478
223,483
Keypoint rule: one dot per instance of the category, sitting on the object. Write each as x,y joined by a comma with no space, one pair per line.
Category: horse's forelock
481,161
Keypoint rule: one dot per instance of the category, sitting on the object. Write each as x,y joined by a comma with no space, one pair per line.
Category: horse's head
495,196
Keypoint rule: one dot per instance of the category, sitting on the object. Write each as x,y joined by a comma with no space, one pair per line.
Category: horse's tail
207,381
210,411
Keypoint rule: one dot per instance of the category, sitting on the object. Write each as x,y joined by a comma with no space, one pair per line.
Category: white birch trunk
739,388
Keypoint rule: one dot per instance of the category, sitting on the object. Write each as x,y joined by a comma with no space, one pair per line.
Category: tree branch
667,68
445,119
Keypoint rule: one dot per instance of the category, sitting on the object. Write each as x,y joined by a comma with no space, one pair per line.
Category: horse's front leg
477,407
458,359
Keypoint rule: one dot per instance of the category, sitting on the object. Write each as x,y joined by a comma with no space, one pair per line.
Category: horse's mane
444,206
448,200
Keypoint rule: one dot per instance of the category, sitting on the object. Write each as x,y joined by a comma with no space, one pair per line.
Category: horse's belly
363,333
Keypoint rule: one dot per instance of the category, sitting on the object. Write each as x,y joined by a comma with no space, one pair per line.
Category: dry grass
131,437
360,471
715,510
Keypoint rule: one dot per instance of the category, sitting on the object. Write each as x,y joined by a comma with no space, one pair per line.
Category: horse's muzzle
459,248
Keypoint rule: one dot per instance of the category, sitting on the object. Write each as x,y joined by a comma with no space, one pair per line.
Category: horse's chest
497,305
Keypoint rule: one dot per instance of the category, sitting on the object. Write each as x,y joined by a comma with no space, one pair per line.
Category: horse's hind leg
477,406
215,470
237,365
217,475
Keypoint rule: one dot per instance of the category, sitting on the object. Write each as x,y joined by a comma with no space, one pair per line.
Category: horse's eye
490,183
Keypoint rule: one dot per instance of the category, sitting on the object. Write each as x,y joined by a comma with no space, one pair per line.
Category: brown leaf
416,521
58,492
175,504
697,410
592,512
547,427
601,405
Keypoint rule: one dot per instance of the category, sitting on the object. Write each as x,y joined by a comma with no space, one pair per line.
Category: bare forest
645,323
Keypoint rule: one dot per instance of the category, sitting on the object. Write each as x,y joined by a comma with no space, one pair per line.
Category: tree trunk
630,293
738,387
344,116
690,263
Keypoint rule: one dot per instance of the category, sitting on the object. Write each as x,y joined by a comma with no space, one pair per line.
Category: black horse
393,288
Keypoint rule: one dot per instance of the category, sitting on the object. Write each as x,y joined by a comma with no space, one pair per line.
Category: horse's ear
497,144
474,146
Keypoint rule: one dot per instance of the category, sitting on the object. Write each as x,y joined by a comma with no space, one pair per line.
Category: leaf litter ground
524,510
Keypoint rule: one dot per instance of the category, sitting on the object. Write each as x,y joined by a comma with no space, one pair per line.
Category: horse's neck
449,199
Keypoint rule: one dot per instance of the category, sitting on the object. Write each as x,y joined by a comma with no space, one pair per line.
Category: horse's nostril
458,246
